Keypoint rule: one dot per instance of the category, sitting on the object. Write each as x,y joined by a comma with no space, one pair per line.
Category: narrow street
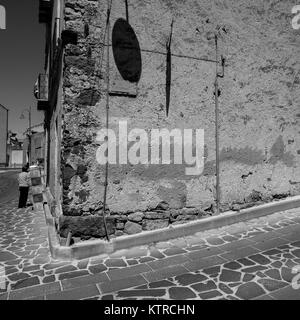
253,260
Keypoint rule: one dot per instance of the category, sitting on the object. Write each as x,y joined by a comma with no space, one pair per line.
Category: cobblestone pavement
252,260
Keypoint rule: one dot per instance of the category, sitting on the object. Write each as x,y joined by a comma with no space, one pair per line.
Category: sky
22,47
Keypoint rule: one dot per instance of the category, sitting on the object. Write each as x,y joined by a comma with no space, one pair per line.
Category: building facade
152,65
3,135
35,145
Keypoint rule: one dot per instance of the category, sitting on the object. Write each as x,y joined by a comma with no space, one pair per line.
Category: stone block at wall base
91,226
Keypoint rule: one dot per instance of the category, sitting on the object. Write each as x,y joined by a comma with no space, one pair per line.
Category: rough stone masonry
259,111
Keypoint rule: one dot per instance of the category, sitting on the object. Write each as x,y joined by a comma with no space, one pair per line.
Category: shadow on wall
126,50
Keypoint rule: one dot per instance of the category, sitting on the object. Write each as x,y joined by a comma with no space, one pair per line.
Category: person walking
24,184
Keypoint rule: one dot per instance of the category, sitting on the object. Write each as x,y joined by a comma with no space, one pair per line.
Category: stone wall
259,110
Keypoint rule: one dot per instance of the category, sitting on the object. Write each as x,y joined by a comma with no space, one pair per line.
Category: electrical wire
164,53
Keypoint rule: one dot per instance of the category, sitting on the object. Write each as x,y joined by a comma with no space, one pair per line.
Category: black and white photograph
149,151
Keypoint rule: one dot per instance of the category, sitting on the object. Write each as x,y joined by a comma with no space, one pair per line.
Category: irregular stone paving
242,261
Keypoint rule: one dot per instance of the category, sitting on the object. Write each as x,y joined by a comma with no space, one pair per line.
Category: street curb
92,248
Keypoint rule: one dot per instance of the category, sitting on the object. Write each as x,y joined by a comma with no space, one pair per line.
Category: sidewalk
252,260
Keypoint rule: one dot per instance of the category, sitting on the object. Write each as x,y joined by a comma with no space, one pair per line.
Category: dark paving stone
287,293
260,274
249,290
201,287
75,294
210,295
166,262
173,251
248,277
31,268
107,297
260,259
164,273
13,262
229,238
273,273
73,274
6,256
98,268
93,298
65,269
146,259
290,263
142,293
11,270
204,253
132,262
254,269
296,244
225,288
181,293
39,273
143,287
288,256
232,298
196,265
296,253
82,264
49,279
51,266
212,270
264,297
159,284
271,252
230,276
29,282
128,272
18,276
286,274
269,244
246,262
197,248
235,245
116,285
271,284
35,292
83,281
239,253
235,284
268,229
286,246
189,278
276,264
233,265
111,263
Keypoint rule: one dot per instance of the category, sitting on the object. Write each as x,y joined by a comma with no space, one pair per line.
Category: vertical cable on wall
127,14
107,117
217,130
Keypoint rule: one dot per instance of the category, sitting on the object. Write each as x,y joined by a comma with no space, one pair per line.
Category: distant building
14,151
3,135
34,145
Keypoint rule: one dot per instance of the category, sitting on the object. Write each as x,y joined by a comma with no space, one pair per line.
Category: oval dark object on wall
126,50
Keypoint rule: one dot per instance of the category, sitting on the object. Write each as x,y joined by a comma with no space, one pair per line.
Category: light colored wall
16,158
259,103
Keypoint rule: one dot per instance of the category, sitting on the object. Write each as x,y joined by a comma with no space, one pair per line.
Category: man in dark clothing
24,184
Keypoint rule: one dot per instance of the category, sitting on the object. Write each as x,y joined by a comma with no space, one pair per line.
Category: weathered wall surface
259,108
